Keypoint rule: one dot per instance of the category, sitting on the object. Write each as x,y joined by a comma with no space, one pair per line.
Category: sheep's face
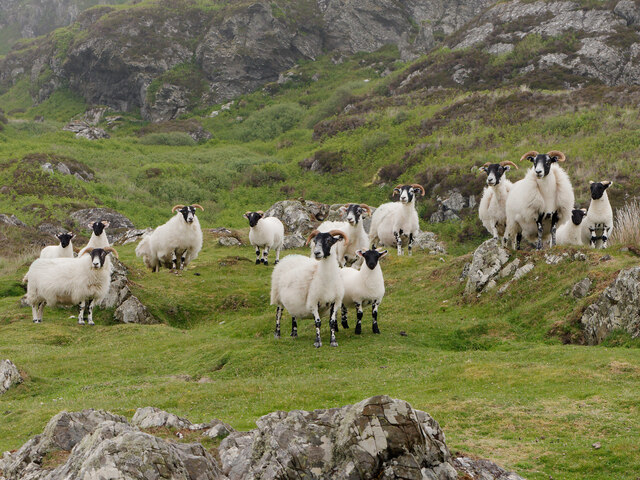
542,163
406,193
494,173
577,215
322,244
65,239
188,213
353,213
371,257
253,218
98,256
98,227
598,188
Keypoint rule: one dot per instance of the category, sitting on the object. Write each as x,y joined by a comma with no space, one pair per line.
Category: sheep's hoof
276,335
344,324
265,262
334,344
258,262
317,344
35,320
80,322
91,322
294,334
276,262
358,329
376,329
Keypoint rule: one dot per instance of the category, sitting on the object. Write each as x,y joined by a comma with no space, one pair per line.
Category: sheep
265,233
353,227
393,220
491,210
539,202
308,287
98,237
180,236
64,250
363,287
69,281
570,233
598,224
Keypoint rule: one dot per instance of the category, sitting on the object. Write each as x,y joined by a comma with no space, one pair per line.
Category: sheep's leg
410,246
593,239
344,322
518,240
398,238
333,324
494,230
278,317
318,322
605,235
540,229
554,222
40,311
35,309
358,318
174,260
294,327
277,255
183,260
81,313
265,255
374,315
90,315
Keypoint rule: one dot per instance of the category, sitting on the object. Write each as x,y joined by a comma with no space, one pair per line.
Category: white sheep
492,208
64,250
266,233
308,287
98,236
539,202
180,236
353,227
363,287
570,233
598,224
69,281
394,220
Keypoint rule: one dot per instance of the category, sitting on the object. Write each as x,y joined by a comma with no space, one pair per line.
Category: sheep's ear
90,225
590,182
359,253
383,253
506,168
607,183
105,223
246,215
484,169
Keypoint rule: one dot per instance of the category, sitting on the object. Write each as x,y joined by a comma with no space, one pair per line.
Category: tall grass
626,229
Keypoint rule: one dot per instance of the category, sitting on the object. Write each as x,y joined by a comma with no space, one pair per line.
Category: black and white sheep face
371,257
253,218
494,173
188,213
406,193
353,213
577,215
542,164
98,256
65,239
322,244
98,227
598,188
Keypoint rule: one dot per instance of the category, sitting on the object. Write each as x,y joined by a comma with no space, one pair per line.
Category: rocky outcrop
133,311
449,208
479,469
85,130
117,222
299,217
150,417
617,308
488,260
12,220
9,375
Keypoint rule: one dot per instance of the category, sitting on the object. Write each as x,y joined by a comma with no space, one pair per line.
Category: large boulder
118,223
9,375
480,469
299,217
12,220
617,308
150,417
488,260
132,310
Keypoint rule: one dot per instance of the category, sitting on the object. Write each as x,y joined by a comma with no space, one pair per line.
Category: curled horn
177,207
247,212
557,153
507,162
111,250
311,236
486,164
366,207
531,153
195,205
416,185
260,212
87,250
341,234
398,187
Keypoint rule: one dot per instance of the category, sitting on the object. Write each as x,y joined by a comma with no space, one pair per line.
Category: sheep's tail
143,247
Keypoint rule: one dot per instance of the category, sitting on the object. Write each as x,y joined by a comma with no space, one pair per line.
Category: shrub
373,141
271,122
400,117
389,173
627,224
329,128
324,161
173,139
259,175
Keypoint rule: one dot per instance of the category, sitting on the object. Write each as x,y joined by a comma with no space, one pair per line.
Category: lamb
353,227
539,202
265,233
180,236
64,250
494,197
598,224
570,233
394,220
69,281
308,287
363,287
98,237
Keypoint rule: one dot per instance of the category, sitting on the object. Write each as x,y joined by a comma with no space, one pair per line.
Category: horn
416,185
486,164
247,212
507,162
366,207
260,212
105,222
195,205
606,182
311,236
557,153
87,250
341,234
112,250
176,207
398,187
531,153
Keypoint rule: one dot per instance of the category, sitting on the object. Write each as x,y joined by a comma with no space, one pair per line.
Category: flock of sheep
536,207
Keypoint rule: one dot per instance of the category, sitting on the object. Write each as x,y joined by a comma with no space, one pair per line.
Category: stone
12,220
488,260
299,216
581,289
629,10
130,236
229,241
428,241
117,221
479,469
119,287
293,241
94,116
510,268
133,311
84,130
9,375
522,271
617,308
500,48
580,257
450,207
552,259
465,272
151,417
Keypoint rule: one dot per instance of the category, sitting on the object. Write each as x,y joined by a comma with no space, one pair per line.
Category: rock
11,220
479,469
465,272
51,229
293,241
47,167
93,116
450,207
617,308
169,102
229,241
522,271
552,259
199,134
221,430
580,257
596,445
377,438
84,130
500,48
116,220
9,375
119,287
130,236
629,10
510,268
581,289
428,241
488,260
150,417
133,311
299,217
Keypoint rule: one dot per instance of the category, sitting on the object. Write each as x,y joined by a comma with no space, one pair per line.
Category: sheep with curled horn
179,238
539,203
266,233
492,208
394,221
310,287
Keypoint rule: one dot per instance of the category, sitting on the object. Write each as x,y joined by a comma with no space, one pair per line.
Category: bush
259,175
373,141
400,117
389,173
172,139
271,122
326,161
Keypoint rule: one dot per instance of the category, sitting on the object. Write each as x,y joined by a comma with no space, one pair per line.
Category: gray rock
12,220
119,287
629,10
130,236
450,207
617,308
581,289
47,167
500,48
170,101
428,241
133,311
51,228
510,268
522,271
479,469
116,220
84,130
552,259
150,417
229,241
63,169
580,257
299,217
465,272
93,116
293,241
9,375
488,260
